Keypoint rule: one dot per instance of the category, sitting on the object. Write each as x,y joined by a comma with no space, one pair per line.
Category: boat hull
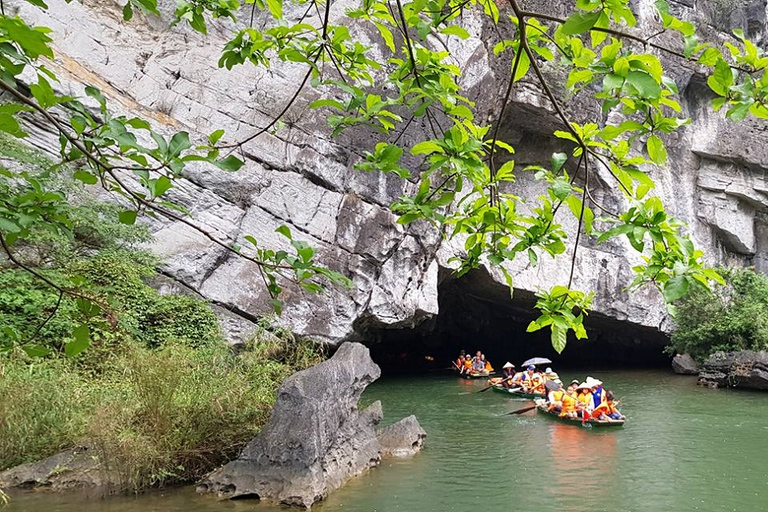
590,423
516,393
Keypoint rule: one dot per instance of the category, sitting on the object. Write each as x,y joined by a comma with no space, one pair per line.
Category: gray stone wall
302,177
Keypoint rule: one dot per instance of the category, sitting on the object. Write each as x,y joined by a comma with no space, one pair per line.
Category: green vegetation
159,397
733,317
153,415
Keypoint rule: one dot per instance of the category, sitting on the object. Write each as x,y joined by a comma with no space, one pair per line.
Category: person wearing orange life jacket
467,365
608,409
459,363
569,401
488,366
584,398
532,381
555,397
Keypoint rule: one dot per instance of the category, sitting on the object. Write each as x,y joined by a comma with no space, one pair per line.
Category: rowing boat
516,392
477,375
541,405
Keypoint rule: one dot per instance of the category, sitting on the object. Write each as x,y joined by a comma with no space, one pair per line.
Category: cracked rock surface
300,176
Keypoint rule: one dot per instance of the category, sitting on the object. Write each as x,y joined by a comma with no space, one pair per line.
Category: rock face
402,439
300,176
315,440
744,369
684,364
74,468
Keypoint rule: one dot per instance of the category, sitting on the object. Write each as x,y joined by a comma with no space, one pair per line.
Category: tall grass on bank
152,416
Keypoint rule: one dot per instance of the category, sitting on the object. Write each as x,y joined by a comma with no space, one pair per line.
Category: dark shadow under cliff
477,313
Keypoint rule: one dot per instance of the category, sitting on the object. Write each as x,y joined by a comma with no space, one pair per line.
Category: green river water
683,448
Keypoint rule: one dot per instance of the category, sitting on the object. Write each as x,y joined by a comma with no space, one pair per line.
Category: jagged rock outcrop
300,176
684,364
315,440
74,468
743,369
402,439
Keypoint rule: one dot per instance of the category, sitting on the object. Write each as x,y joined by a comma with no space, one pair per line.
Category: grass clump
731,318
153,416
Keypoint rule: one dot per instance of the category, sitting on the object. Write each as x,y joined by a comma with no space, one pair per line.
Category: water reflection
586,466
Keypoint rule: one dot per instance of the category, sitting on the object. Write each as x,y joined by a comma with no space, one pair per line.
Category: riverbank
151,417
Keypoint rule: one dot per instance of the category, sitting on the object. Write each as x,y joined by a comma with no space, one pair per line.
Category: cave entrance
477,313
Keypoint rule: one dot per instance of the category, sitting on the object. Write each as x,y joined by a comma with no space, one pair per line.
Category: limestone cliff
716,178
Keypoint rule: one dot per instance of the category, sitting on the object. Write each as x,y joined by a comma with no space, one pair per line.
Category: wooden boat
541,406
477,375
516,392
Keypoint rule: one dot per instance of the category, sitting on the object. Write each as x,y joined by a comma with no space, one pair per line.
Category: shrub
733,317
154,416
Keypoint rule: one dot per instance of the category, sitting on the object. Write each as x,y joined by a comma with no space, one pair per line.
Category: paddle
524,409
489,386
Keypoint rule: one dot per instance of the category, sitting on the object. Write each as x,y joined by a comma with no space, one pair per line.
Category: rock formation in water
76,468
300,176
402,439
743,369
316,439
684,364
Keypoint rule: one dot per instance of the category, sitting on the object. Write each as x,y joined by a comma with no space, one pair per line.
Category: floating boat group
584,404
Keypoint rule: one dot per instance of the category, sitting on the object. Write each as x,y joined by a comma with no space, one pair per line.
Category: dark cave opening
477,313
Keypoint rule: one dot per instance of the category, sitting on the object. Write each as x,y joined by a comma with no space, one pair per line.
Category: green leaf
81,341
455,30
580,22
559,338
656,150
161,186
179,142
35,350
86,177
231,163
644,84
285,231
676,288
522,67
215,137
127,12
127,217
426,147
276,8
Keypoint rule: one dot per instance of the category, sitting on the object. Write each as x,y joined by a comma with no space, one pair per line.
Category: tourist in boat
584,398
569,407
459,363
508,374
607,409
597,392
467,365
488,368
550,375
532,381
555,397
478,364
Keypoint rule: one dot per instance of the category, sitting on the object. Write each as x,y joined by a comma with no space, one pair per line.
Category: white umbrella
537,361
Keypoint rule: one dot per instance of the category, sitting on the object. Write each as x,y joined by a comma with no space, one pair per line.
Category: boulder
402,439
684,364
315,440
743,369
73,468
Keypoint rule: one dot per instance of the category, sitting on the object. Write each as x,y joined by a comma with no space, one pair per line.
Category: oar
524,409
489,386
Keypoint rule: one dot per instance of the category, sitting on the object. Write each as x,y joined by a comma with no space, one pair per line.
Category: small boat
541,406
516,392
477,375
